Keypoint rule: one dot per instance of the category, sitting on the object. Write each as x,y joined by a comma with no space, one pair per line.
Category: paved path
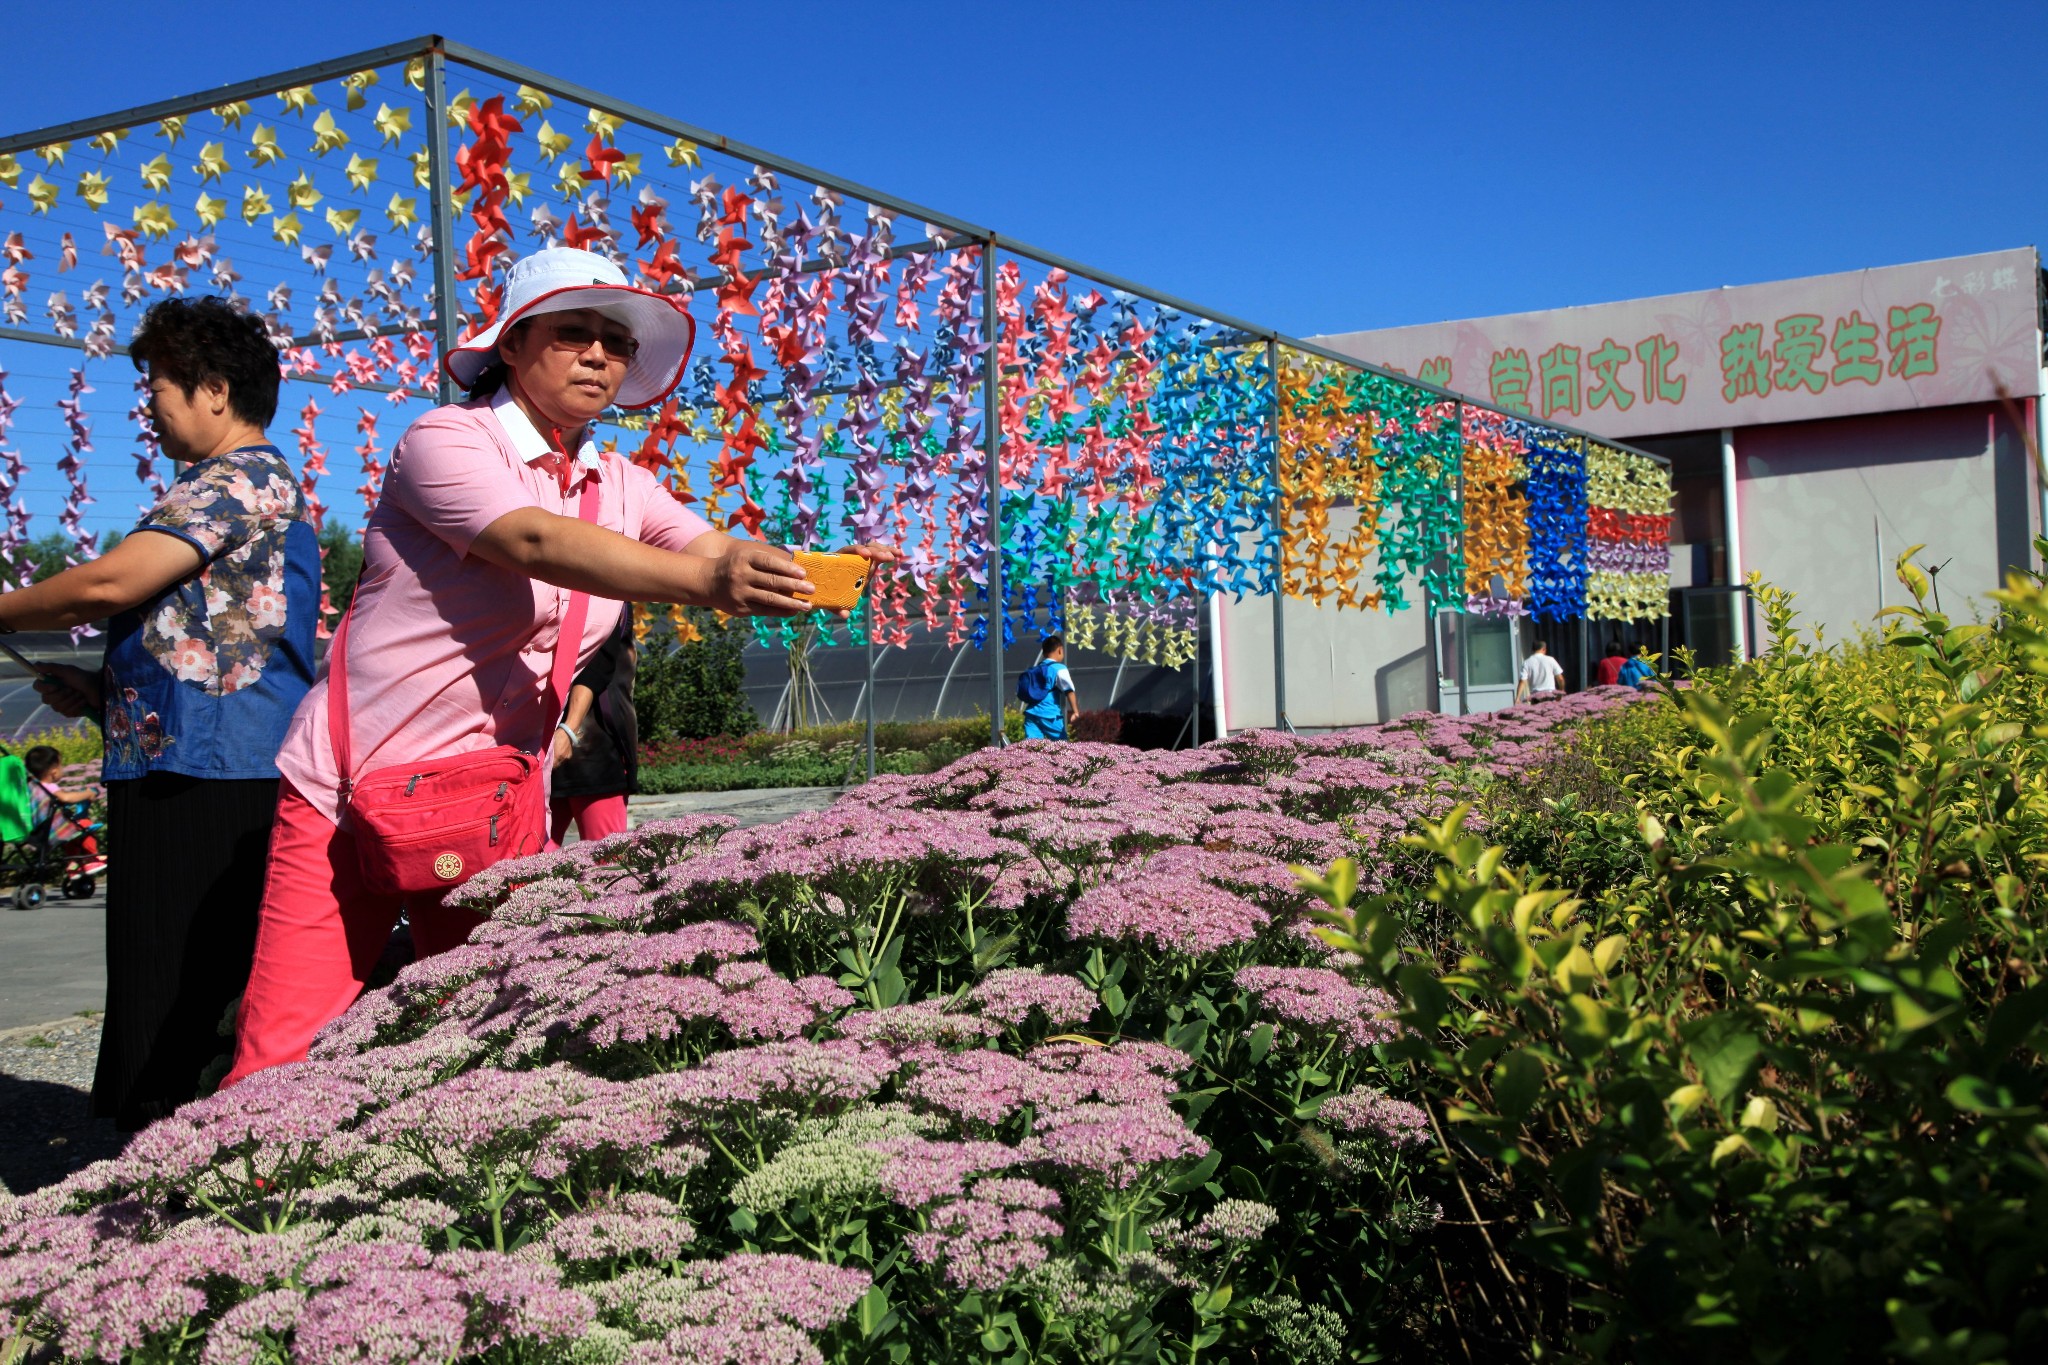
52,960
53,979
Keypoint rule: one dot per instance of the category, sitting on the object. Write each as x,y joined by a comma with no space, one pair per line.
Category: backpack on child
1034,684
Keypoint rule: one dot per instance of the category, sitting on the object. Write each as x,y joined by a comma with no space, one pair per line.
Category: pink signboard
1903,336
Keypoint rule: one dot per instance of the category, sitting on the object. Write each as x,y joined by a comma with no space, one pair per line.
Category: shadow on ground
47,1131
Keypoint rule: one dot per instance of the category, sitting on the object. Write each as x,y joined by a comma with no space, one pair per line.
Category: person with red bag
494,566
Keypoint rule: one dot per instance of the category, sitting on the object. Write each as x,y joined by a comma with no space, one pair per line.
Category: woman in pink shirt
469,562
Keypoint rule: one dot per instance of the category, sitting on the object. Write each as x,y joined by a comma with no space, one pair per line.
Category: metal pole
1280,721
1465,571
1664,641
1585,629
1436,667
442,215
1195,714
1731,522
992,447
868,693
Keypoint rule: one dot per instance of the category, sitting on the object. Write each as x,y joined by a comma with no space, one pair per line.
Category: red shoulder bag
427,826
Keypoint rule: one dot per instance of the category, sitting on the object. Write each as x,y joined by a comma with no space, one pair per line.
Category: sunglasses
578,336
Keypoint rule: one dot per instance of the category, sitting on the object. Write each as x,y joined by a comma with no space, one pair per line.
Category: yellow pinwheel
356,85
155,220
110,140
53,155
326,136
529,100
392,123
604,125
286,229
255,203
213,161
683,152
171,129
156,172
210,209
92,188
42,194
10,170
552,143
302,193
401,211
297,99
361,170
231,115
263,147
343,221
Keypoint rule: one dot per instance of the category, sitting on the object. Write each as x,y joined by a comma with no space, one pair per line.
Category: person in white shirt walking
1542,676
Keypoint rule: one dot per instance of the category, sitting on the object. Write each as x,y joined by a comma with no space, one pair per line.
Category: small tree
694,688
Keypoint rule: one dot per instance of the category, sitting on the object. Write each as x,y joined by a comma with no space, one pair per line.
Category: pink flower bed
1036,1048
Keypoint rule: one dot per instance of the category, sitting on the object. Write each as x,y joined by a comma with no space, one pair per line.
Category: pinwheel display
1148,459
1628,531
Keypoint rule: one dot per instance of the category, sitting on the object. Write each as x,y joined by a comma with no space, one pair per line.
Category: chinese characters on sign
1903,336
1748,367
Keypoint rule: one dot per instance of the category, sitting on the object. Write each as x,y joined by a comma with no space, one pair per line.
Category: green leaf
1725,1051
1260,1043
2015,1018
1426,995
1977,1095
1516,1079
1195,1176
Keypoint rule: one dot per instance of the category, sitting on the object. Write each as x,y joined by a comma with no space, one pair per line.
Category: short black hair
1540,647
41,759
492,376
1051,643
191,341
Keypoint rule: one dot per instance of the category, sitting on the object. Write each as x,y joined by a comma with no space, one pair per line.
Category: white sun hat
561,278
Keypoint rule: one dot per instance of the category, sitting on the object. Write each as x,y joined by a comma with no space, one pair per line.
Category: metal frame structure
438,52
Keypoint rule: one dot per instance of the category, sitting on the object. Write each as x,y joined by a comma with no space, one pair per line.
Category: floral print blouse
203,679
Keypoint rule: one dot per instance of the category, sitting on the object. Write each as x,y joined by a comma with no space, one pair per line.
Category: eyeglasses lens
575,336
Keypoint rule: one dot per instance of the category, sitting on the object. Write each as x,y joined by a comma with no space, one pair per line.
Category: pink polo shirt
448,654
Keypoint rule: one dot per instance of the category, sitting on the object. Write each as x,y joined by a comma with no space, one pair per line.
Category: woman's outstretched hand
752,579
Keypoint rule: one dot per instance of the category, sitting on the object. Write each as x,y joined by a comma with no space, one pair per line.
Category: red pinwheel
649,221
600,160
576,235
663,266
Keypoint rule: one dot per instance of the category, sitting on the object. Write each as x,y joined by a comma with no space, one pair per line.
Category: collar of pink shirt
532,447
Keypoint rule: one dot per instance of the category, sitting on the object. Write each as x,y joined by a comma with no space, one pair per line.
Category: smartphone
839,579
35,669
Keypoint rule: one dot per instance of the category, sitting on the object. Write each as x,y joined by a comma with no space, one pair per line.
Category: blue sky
1314,167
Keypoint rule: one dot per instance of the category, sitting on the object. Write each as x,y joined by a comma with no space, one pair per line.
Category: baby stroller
31,855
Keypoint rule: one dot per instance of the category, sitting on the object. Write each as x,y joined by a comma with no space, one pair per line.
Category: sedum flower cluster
1030,1058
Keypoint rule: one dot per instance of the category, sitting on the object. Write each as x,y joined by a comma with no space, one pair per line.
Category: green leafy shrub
78,742
1770,1086
695,689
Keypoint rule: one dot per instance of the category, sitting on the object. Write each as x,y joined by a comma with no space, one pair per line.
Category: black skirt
184,880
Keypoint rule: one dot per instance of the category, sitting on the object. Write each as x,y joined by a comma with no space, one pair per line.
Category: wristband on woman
563,726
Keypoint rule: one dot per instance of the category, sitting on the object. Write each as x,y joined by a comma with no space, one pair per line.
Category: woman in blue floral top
209,650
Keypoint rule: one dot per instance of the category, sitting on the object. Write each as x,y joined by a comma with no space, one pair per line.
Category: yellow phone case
839,579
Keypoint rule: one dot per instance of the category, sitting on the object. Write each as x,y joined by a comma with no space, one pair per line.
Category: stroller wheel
28,895
79,887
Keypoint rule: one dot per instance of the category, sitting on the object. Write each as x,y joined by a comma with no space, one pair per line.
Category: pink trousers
595,816
319,935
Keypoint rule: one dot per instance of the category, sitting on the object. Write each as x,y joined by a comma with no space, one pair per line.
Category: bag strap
558,675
